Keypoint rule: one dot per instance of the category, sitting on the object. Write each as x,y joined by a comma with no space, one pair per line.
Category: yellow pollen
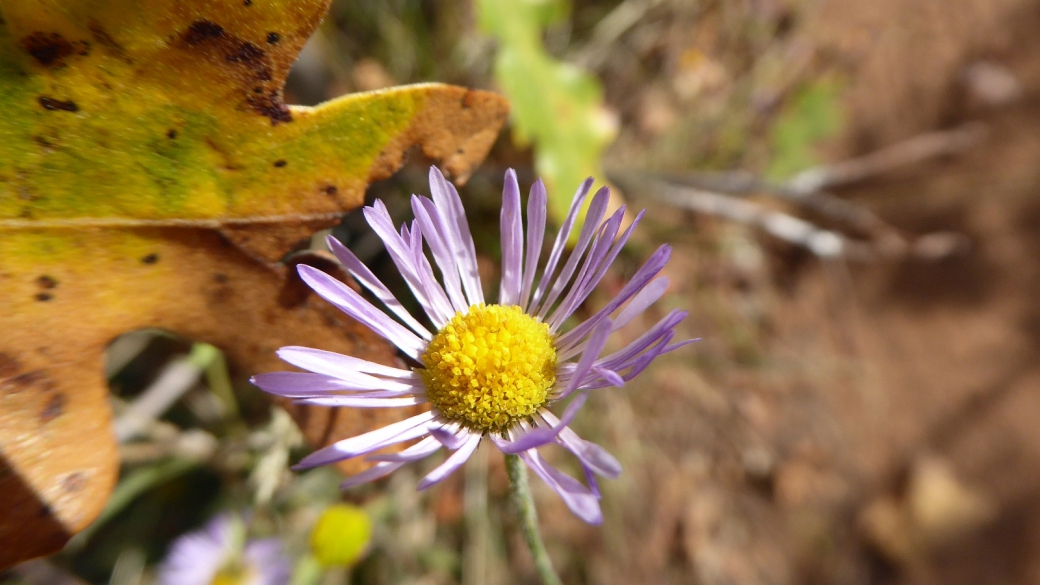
234,573
490,367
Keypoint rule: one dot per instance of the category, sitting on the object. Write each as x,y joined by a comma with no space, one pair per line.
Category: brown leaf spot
104,39
47,48
272,106
9,366
52,104
273,38
14,384
249,54
46,281
222,294
74,481
201,30
53,409
280,163
212,38
150,258
44,297
171,133
330,190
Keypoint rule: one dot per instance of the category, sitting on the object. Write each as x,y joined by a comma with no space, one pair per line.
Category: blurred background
852,191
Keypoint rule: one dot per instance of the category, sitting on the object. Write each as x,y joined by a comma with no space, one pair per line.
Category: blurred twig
129,567
720,194
176,378
608,30
823,243
915,150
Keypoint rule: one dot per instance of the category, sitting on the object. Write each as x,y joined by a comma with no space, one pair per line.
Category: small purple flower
219,555
489,371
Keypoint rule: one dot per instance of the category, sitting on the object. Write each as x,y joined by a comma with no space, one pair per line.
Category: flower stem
521,493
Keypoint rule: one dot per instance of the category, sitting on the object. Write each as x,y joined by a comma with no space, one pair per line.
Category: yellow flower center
490,367
233,573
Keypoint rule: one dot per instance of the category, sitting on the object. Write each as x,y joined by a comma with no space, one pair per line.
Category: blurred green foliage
557,106
813,114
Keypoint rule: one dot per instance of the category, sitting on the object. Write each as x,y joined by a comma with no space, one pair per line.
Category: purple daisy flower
219,555
489,371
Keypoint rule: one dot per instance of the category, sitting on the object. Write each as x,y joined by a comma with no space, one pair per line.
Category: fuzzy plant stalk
520,491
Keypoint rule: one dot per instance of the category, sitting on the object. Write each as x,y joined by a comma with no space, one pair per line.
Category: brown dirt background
851,423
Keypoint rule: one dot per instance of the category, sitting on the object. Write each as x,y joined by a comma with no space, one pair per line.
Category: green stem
521,493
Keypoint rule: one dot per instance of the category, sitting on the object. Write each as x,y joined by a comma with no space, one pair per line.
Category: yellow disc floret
490,367
234,573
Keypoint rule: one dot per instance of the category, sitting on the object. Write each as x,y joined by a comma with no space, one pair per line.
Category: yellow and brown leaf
152,176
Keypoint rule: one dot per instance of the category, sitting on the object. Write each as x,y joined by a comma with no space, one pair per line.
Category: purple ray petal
634,366
650,294
348,380
590,479
561,241
397,245
448,202
512,232
678,344
593,216
451,436
196,557
590,282
543,435
609,376
293,384
416,391
578,498
443,309
361,310
602,245
363,401
537,201
652,336
371,474
420,450
373,284
268,562
332,363
451,463
590,454
646,272
593,347
410,428
426,214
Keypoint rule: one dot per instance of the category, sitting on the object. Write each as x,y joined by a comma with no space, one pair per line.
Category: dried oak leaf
151,176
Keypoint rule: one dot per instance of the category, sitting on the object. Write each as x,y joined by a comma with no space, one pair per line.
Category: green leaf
813,114
556,106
